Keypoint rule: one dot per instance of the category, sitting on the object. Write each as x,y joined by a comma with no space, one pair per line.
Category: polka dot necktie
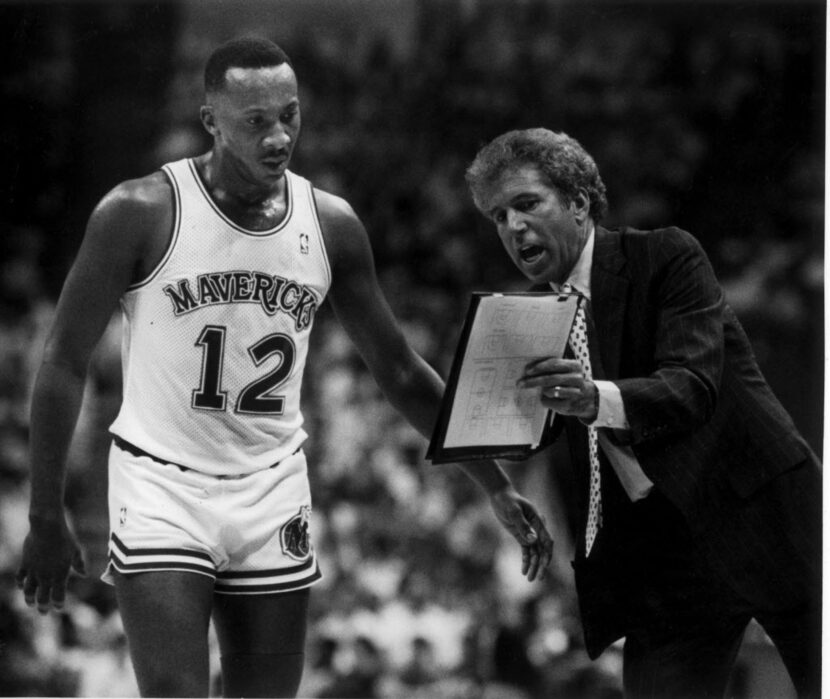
578,341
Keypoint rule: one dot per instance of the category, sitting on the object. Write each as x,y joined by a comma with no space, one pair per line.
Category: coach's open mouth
530,253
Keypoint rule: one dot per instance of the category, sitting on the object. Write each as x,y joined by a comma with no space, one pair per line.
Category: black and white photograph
412,349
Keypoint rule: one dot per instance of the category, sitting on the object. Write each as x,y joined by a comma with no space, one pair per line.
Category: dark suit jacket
705,426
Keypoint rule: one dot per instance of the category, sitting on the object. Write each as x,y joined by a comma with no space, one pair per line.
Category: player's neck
228,182
253,205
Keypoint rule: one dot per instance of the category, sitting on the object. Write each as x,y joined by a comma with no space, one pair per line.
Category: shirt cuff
611,411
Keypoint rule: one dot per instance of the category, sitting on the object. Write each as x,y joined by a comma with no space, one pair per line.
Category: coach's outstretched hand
522,520
49,552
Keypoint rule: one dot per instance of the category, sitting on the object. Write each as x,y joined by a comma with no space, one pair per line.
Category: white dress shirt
611,412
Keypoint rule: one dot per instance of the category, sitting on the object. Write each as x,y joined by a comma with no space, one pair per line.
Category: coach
700,502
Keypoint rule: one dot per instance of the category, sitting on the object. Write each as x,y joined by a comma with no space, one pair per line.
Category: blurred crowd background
705,115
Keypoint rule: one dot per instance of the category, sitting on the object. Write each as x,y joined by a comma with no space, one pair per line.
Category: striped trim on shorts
249,533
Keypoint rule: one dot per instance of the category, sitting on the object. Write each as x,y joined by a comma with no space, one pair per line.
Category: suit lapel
609,289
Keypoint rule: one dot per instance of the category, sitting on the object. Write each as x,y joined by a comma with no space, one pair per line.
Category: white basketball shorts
249,533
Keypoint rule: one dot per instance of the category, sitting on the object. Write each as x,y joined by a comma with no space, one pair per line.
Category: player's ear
208,119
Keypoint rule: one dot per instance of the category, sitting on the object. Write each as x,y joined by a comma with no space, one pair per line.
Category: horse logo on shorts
294,535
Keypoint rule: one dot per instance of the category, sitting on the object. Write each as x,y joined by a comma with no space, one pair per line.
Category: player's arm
407,381
116,251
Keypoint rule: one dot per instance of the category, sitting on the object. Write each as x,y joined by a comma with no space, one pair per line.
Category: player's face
255,122
543,234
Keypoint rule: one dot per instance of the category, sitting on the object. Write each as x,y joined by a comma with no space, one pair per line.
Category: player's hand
50,552
564,386
522,520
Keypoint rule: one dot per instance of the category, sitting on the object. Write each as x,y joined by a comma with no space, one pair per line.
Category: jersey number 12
256,398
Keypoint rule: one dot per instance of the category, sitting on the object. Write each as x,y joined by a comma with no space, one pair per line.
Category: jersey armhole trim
315,214
177,208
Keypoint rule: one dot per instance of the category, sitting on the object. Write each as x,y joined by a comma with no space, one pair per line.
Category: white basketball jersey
216,338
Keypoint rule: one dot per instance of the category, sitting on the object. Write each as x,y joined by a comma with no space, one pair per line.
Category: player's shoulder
347,242
137,215
334,210
148,194
342,229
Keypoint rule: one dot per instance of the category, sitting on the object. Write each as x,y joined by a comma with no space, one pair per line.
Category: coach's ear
581,206
208,119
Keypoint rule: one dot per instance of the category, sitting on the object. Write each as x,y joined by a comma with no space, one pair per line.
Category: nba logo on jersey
304,243
294,535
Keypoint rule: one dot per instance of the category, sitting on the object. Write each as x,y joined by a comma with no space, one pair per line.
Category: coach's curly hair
560,158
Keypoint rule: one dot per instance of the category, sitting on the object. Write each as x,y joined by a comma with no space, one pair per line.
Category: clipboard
483,413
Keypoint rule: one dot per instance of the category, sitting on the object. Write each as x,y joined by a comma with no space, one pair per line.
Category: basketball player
220,263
